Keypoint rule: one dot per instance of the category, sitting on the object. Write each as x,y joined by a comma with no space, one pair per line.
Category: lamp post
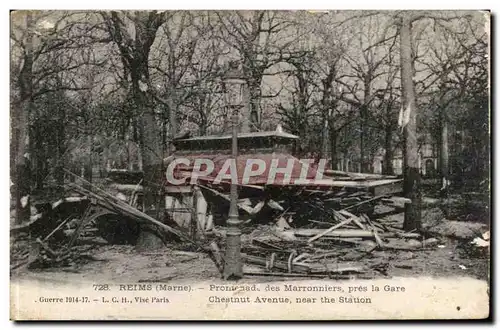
233,88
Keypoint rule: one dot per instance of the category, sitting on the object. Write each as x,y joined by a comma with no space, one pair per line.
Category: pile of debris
341,249
330,230
323,232
52,233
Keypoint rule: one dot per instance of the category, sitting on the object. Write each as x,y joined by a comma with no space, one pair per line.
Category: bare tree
134,34
43,49
297,115
171,63
336,115
404,21
450,64
386,107
20,115
366,59
261,39
411,170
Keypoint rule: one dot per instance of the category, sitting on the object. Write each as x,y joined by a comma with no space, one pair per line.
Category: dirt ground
454,255
115,263
123,263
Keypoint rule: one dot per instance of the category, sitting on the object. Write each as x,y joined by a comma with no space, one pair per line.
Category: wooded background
113,88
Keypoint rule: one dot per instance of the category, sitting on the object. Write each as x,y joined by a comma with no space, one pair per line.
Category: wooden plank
326,255
216,256
57,228
321,222
248,209
350,233
329,230
362,203
355,184
359,175
354,218
266,245
389,188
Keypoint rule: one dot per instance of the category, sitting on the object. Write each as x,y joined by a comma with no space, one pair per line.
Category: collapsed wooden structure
296,229
258,193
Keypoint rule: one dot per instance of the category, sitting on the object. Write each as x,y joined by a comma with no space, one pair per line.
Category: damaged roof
276,134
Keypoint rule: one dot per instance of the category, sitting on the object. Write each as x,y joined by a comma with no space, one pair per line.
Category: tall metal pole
233,267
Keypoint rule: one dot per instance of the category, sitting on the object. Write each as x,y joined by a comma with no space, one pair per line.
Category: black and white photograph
250,164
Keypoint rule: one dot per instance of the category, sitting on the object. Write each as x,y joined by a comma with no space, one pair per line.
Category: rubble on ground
342,245
289,231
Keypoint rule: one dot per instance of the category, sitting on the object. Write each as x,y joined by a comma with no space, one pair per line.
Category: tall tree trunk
388,168
254,95
203,127
333,148
361,138
164,135
363,125
39,157
411,173
151,163
172,119
328,106
58,170
325,134
246,121
88,163
444,152
22,180
134,50
21,117
151,153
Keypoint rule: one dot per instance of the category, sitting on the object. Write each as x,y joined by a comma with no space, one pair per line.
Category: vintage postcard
249,165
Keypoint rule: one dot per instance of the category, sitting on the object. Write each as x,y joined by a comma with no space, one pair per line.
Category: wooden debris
285,235
377,238
347,209
124,208
242,206
282,224
57,228
358,176
371,200
335,268
322,223
266,245
304,268
251,272
354,218
329,230
351,233
301,256
216,256
325,255
275,205
280,265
